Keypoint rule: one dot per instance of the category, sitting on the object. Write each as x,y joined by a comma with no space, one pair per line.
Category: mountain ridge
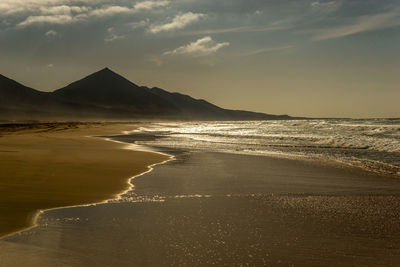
106,94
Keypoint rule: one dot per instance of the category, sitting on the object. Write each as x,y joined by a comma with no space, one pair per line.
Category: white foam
356,142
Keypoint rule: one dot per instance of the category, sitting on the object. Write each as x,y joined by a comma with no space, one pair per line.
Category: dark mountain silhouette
192,108
13,94
108,90
18,101
105,94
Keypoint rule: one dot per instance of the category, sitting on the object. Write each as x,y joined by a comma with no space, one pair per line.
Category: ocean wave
370,144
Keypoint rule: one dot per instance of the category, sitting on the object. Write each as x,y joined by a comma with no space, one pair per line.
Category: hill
106,94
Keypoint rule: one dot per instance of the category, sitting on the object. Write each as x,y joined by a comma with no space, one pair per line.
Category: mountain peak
106,70
106,89
101,81
105,75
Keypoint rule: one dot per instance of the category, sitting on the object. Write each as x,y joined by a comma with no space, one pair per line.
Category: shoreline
154,150
115,197
212,208
31,220
317,159
255,210
129,180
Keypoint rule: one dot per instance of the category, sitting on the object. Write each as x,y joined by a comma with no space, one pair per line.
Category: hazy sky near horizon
332,58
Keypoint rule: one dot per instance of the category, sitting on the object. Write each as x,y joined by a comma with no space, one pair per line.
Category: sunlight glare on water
372,144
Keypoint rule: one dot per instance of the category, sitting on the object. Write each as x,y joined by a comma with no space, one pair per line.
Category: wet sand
216,209
45,166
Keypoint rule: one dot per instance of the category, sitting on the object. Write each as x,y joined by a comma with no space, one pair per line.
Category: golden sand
59,165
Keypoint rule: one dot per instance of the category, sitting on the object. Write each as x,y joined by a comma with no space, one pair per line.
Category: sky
332,58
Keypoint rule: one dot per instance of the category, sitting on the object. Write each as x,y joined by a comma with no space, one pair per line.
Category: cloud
268,50
138,24
113,36
178,22
62,10
201,47
148,5
110,10
72,14
66,11
122,31
361,24
156,60
53,19
274,26
318,4
52,34
48,7
11,7
325,7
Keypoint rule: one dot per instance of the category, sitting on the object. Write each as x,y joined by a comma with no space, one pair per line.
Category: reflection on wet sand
234,210
58,164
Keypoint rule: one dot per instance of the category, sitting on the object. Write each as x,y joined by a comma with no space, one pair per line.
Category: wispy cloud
10,7
65,12
178,22
267,50
67,6
52,34
53,19
138,24
361,24
62,10
110,10
274,26
156,60
325,8
124,30
67,15
149,5
201,47
330,4
112,35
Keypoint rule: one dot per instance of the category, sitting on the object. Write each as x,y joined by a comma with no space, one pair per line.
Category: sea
370,144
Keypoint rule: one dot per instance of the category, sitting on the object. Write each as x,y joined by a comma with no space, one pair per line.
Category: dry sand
46,166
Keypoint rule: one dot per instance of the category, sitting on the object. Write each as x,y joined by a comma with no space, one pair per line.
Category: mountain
106,94
17,100
199,108
14,94
106,89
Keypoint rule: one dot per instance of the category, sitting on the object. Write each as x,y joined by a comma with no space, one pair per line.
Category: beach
154,133
46,166
222,209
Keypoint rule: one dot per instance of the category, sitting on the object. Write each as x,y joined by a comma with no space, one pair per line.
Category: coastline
210,208
58,135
